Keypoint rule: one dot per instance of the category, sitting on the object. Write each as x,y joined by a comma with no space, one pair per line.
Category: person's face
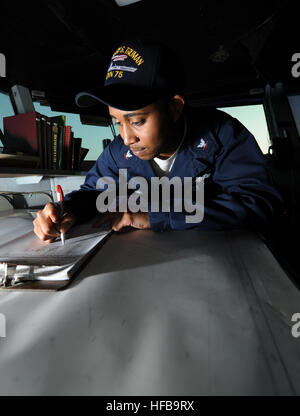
145,131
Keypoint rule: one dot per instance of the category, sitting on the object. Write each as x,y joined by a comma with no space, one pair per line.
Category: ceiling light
220,56
125,2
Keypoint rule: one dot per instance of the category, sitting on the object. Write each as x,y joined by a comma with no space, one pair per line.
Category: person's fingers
49,224
47,227
53,212
140,220
50,240
66,223
40,233
44,234
37,229
124,220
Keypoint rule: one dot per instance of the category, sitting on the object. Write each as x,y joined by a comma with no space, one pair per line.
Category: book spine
82,154
49,143
59,147
72,151
67,147
77,147
44,140
20,134
63,147
39,134
62,144
54,145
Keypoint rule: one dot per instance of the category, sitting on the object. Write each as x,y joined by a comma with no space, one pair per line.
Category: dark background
64,47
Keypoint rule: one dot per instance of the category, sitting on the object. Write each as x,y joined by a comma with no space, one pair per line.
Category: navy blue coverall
238,187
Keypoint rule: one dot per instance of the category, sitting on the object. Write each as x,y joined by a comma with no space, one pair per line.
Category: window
6,110
253,118
92,136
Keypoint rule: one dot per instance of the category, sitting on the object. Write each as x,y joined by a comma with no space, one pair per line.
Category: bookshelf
34,141
11,172
39,145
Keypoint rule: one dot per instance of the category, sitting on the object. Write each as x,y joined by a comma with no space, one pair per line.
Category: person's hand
49,224
124,221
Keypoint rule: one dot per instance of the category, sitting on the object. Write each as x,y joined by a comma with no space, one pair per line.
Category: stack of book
47,139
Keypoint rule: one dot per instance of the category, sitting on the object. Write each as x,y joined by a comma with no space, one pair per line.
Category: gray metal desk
178,313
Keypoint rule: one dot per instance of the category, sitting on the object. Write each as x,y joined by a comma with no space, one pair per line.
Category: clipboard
26,262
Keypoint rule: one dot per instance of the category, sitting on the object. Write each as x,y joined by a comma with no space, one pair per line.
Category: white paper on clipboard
24,257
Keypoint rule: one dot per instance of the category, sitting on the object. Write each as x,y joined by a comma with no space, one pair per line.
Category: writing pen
61,203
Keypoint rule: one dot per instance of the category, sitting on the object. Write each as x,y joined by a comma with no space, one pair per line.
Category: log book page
30,257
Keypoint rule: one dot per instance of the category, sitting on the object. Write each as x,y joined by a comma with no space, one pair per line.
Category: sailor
163,137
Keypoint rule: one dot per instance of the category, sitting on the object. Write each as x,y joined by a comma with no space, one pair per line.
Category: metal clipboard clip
7,272
12,274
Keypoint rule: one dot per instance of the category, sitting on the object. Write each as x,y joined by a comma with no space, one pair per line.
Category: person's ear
177,105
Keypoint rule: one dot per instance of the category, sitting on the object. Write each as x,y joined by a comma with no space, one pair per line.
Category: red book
21,134
67,148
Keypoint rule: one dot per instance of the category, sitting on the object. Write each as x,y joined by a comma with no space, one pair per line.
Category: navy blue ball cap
139,74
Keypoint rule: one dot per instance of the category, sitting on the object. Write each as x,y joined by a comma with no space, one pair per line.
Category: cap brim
122,97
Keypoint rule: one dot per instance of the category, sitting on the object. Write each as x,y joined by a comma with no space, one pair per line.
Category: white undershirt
163,166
